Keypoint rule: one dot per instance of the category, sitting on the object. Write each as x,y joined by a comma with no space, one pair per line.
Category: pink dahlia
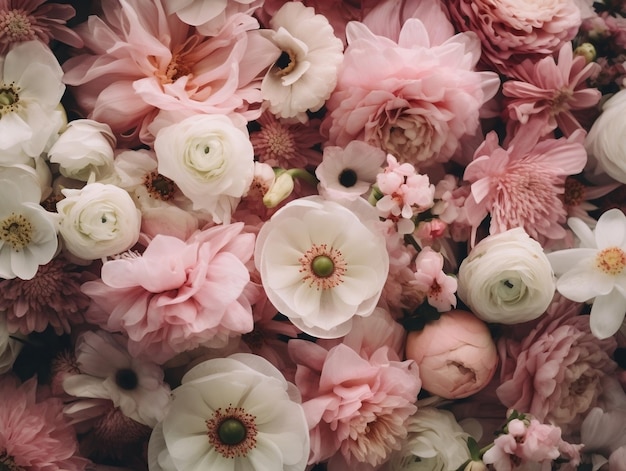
415,99
34,435
140,60
51,298
25,20
555,372
513,30
177,295
521,186
551,92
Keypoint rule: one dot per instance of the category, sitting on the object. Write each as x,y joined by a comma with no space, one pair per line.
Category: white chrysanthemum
108,371
321,265
28,233
596,270
30,92
232,414
305,73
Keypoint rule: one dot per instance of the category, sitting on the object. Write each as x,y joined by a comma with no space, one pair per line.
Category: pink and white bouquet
260,235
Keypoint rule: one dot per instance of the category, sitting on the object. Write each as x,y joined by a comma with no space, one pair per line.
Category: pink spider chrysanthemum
521,186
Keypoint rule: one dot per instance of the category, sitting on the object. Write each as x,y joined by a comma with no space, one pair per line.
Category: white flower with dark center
108,371
321,263
596,270
30,92
229,414
305,73
28,233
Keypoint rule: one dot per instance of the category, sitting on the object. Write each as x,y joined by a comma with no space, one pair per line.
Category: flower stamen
323,266
16,26
16,231
9,99
159,187
232,432
611,260
285,63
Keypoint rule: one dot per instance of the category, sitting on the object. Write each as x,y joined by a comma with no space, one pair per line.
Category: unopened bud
475,466
587,50
280,189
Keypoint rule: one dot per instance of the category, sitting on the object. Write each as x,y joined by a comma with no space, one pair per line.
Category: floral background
324,235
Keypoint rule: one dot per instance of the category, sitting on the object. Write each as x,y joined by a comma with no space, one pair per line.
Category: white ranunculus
507,278
9,347
85,147
606,141
210,159
98,220
322,264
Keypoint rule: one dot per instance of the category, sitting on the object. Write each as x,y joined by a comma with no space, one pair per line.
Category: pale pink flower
51,298
280,143
34,435
513,30
139,60
438,286
177,295
550,91
356,405
521,186
555,372
25,20
414,99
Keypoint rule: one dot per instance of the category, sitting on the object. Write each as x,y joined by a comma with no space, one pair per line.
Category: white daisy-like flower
305,73
31,88
596,270
28,233
229,414
321,263
108,371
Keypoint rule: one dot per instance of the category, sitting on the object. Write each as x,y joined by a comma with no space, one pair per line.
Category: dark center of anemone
322,266
348,178
231,431
159,187
285,63
7,463
126,379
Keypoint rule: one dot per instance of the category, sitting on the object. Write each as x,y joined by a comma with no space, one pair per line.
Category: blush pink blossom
139,60
432,280
415,99
555,372
178,294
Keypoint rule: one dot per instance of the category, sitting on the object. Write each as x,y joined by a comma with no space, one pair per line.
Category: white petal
611,229
307,299
565,260
360,283
582,231
607,314
584,282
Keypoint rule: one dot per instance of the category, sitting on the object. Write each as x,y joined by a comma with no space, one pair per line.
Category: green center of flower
348,178
323,266
9,99
126,379
611,260
510,290
232,432
16,231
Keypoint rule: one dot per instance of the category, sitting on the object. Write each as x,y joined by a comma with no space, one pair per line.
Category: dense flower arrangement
363,235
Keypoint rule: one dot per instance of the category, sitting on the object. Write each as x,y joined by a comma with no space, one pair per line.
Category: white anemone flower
31,88
229,414
321,263
305,73
28,233
596,270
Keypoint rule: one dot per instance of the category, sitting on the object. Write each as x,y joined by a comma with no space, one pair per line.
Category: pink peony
414,99
513,30
555,372
356,404
177,295
139,60
34,435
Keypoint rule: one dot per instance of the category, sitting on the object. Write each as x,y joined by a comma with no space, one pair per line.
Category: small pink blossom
439,287
177,295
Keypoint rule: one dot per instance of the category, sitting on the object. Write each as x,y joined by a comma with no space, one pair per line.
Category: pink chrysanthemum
521,186
25,20
551,92
51,298
34,435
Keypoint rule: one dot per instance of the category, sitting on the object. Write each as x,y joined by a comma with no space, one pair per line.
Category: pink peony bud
456,355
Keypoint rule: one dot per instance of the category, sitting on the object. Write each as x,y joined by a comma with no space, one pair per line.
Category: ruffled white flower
596,270
9,347
507,278
108,371
305,73
322,264
31,88
83,149
208,17
231,414
28,233
210,159
98,220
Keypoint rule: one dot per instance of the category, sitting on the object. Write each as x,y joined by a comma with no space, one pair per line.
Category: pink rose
456,355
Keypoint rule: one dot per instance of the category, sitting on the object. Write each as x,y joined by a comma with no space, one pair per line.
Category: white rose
85,147
606,141
507,278
9,347
98,221
211,161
